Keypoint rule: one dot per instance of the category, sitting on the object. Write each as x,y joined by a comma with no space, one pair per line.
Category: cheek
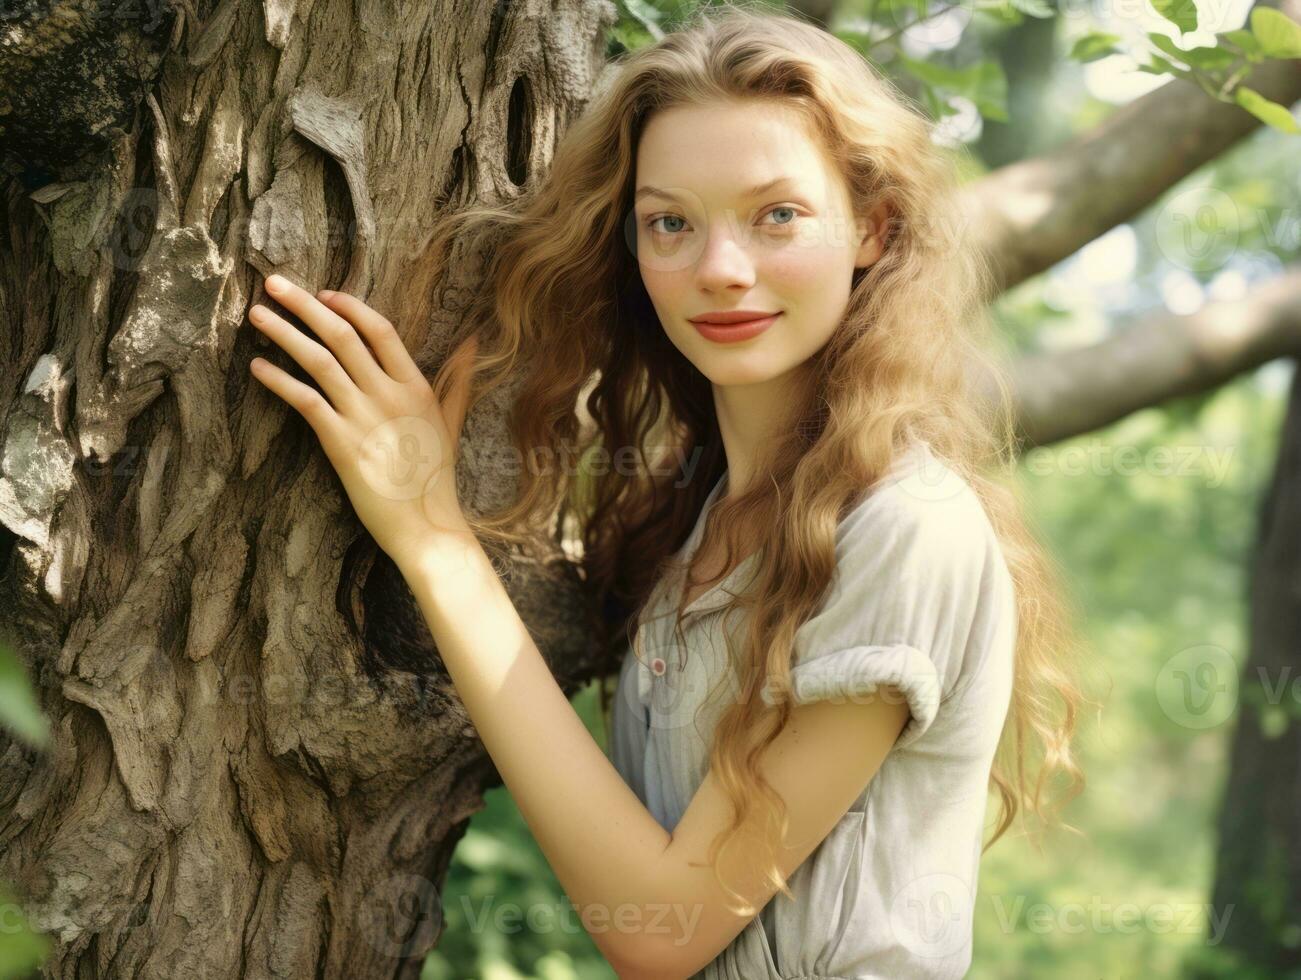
802,266
796,268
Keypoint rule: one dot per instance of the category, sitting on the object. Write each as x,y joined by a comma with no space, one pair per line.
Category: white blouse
922,599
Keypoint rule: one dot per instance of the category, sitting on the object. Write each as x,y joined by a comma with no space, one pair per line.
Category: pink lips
728,333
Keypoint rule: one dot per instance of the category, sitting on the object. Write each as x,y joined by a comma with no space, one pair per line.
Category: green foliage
1277,35
21,950
1265,110
1094,45
1033,8
506,914
641,22
19,711
1156,555
1181,13
1220,69
1198,57
1244,42
878,27
983,83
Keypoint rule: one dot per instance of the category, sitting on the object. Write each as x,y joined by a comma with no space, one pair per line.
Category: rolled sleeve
858,673
911,568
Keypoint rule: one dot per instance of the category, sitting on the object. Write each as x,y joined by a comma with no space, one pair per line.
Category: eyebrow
749,192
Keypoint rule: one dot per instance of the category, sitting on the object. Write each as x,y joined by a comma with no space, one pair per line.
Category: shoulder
921,506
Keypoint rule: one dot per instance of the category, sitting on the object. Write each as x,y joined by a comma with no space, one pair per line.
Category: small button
658,665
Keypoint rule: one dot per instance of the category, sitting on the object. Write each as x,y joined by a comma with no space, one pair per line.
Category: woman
823,613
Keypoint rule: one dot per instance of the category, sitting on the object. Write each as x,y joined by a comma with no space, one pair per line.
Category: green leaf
1265,110
932,73
1160,66
1202,56
1278,34
646,15
1181,13
983,83
1000,10
1246,42
1094,45
1209,58
894,13
990,91
1034,8
627,36
18,708
1166,44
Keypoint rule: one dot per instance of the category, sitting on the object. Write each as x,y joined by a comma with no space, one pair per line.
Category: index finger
379,333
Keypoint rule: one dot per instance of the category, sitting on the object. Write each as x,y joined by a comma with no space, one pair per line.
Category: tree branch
1066,393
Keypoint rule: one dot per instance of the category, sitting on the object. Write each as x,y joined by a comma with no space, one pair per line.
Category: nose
725,260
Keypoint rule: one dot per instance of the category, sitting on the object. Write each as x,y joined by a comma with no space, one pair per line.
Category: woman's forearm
600,840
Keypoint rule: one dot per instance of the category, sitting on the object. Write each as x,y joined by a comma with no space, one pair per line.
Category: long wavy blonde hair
563,313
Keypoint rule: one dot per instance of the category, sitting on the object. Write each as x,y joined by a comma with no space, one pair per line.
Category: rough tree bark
259,767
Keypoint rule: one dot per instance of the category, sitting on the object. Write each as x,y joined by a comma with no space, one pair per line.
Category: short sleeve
913,561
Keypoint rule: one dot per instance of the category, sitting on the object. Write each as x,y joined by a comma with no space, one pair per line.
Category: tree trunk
259,766
1257,889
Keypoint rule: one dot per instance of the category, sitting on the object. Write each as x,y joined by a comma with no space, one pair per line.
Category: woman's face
723,242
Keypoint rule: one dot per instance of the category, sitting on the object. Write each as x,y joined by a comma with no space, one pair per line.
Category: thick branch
1066,393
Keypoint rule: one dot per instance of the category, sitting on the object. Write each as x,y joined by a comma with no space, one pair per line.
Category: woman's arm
648,899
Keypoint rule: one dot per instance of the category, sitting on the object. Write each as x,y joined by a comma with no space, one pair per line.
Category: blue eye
663,217
673,217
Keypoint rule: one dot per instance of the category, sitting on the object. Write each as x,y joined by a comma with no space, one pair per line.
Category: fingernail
326,293
275,282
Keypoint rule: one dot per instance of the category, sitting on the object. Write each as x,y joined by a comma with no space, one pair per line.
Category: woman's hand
380,424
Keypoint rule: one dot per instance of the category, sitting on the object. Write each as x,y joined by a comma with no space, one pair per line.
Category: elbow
641,957
629,971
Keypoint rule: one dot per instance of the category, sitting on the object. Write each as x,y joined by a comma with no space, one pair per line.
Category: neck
749,417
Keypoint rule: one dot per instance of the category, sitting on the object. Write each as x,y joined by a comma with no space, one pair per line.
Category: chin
732,375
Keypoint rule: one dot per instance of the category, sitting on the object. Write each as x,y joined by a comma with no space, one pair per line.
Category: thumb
458,394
